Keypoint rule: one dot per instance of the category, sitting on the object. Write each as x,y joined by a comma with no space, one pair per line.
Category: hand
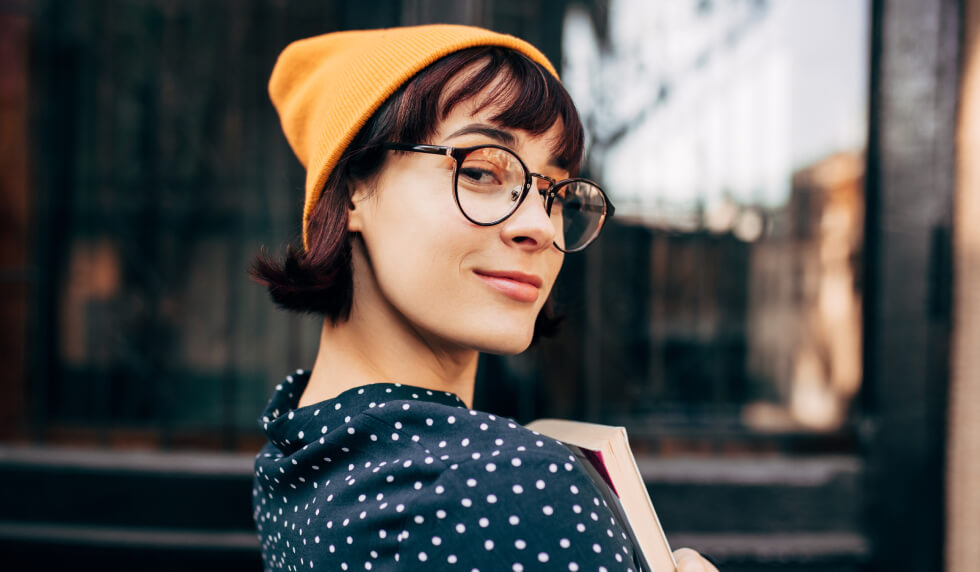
690,561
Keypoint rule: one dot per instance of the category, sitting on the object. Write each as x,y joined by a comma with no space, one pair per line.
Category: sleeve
520,511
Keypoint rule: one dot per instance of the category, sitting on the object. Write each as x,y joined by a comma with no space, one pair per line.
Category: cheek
418,242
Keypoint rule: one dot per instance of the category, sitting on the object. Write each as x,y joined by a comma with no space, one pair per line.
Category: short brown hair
318,280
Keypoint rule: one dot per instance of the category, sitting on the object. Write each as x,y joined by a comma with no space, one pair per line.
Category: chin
510,349
505,341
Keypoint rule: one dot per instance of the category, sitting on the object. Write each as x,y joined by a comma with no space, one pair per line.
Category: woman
440,202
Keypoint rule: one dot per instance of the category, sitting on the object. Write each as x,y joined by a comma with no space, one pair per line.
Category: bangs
527,96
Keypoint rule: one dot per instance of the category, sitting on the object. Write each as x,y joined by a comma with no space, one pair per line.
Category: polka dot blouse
394,477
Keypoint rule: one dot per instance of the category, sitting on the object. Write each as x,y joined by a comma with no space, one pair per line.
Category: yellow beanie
325,88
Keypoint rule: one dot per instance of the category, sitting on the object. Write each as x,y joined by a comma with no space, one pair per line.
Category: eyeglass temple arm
430,149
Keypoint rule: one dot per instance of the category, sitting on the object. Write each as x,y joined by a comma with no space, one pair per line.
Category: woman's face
455,284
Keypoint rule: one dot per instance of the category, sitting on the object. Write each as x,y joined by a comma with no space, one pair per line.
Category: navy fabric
389,476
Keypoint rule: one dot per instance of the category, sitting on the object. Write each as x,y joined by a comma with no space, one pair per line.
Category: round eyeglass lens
489,184
578,211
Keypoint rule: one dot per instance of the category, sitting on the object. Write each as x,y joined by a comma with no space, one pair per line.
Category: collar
291,427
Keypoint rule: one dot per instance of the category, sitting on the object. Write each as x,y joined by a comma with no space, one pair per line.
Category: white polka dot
596,548
514,520
518,489
517,567
450,420
539,484
300,435
436,540
564,543
491,499
547,510
440,514
451,559
423,556
573,567
488,544
574,489
484,522
460,528
520,544
471,482
542,557
466,502
491,467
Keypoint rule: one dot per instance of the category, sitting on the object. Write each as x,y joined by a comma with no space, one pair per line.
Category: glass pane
731,138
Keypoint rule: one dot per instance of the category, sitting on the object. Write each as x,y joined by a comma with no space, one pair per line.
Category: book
605,453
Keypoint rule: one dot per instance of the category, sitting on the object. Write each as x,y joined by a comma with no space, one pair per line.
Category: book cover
605,453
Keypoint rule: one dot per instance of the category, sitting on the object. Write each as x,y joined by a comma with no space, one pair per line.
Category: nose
530,227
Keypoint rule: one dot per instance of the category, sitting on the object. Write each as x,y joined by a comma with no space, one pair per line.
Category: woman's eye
480,174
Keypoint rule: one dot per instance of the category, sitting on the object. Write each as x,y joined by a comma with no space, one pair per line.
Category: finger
689,561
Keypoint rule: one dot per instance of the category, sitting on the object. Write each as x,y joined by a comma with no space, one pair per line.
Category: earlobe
355,208
353,218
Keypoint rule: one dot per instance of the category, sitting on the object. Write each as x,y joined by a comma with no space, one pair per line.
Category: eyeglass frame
460,153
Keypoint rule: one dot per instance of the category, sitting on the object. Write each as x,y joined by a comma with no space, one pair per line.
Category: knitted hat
325,88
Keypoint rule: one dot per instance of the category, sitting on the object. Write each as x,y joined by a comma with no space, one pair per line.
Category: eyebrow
499,135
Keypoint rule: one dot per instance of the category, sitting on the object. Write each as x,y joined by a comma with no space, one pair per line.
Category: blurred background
784,313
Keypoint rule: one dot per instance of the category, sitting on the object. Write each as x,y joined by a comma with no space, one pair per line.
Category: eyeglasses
490,182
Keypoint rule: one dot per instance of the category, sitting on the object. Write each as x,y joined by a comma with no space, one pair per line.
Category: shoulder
456,435
508,498
413,481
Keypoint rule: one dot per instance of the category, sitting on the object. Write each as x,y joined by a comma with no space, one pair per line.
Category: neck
374,348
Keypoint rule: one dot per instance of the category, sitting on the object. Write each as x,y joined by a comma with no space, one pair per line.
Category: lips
518,286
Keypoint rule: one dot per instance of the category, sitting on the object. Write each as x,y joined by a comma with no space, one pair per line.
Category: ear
356,206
